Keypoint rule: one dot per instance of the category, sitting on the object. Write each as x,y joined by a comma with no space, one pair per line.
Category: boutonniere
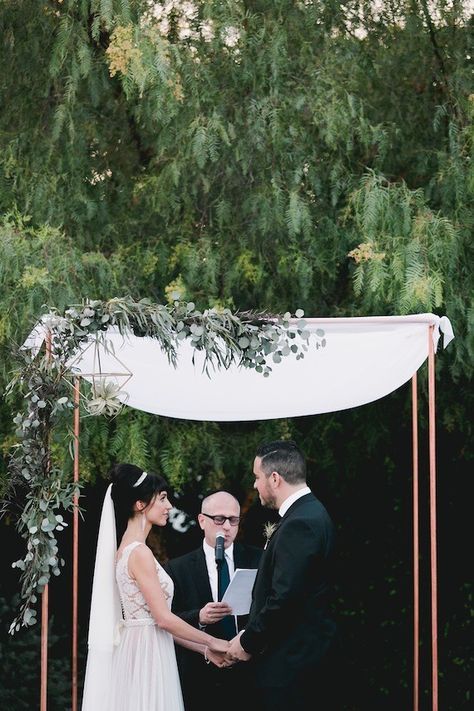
268,530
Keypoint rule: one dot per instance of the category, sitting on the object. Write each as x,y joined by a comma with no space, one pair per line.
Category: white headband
140,479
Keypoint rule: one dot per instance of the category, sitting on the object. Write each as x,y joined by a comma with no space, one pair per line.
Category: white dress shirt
292,498
210,555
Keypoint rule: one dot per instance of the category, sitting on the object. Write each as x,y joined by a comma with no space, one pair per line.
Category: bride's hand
217,658
218,645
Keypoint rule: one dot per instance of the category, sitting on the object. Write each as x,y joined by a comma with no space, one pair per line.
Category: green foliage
44,381
405,247
226,164
46,489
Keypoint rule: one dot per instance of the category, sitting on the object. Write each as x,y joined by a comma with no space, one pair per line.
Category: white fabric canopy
364,360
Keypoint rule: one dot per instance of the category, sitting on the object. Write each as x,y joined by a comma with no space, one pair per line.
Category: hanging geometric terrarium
107,395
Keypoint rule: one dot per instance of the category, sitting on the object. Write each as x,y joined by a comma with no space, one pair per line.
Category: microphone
219,552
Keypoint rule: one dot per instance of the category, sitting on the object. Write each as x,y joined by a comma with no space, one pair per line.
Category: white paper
239,591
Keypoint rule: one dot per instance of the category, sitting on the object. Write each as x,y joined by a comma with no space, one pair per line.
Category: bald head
221,503
219,499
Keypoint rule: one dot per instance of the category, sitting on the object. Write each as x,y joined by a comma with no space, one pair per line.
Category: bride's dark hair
125,494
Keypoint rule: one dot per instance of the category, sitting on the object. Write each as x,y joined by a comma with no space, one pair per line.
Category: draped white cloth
364,360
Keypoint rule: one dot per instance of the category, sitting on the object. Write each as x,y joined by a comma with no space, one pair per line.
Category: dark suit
289,633
205,685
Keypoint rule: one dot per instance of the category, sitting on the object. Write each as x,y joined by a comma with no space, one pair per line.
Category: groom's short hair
284,457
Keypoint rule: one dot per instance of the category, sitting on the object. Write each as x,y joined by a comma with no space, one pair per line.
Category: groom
289,637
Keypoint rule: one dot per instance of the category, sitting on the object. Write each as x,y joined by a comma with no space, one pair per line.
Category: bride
131,662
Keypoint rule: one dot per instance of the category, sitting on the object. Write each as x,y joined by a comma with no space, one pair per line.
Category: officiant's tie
223,580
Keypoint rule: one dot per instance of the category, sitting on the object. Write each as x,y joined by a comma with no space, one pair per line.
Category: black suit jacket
203,684
289,628
192,589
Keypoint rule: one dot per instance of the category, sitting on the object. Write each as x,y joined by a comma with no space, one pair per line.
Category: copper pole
45,599
75,545
44,649
433,541
416,548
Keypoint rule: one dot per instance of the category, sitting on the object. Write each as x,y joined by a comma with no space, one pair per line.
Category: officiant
199,583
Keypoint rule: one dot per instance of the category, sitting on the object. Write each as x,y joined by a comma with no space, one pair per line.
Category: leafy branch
250,339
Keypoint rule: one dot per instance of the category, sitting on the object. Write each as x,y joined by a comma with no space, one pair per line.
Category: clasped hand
235,652
224,654
216,652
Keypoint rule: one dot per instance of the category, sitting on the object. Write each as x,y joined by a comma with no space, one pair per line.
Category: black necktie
223,579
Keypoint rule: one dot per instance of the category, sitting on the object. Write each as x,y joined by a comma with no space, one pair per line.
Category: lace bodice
134,606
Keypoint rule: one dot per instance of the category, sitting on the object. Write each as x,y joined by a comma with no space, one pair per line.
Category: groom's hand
236,653
213,612
217,658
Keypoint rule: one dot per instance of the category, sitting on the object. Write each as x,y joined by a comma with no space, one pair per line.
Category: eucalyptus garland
253,340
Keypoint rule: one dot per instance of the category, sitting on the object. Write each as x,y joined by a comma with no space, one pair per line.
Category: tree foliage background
264,155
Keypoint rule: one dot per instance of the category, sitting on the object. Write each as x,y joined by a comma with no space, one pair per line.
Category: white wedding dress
144,670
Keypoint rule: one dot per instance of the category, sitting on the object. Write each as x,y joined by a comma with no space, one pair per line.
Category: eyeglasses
220,520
